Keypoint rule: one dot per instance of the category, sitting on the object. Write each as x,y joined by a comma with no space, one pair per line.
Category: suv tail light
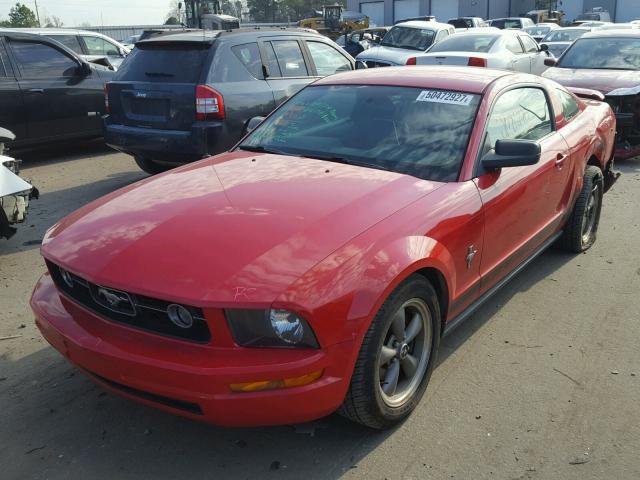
107,109
411,61
209,103
477,62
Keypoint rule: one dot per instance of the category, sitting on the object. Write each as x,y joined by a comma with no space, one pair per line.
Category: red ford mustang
316,266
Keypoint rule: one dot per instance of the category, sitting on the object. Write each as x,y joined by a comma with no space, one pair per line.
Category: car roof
424,25
478,32
58,31
209,36
631,33
467,79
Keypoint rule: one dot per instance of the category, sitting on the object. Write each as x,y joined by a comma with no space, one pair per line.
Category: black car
47,92
179,97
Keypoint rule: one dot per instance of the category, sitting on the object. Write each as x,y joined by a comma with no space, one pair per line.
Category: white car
539,30
557,41
504,49
88,45
405,40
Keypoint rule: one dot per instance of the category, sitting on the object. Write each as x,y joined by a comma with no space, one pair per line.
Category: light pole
37,13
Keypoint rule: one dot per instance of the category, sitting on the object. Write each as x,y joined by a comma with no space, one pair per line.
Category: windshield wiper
262,149
346,161
158,74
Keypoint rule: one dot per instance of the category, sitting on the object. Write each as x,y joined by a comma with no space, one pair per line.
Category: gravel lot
543,382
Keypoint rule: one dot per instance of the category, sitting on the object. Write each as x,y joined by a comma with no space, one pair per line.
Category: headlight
270,328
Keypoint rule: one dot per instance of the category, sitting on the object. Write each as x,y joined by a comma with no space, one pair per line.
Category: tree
172,21
174,12
84,25
53,22
263,10
20,16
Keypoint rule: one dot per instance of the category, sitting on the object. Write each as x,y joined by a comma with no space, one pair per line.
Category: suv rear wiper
158,74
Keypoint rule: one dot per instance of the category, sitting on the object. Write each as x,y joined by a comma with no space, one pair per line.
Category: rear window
564,35
502,23
164,63
465,43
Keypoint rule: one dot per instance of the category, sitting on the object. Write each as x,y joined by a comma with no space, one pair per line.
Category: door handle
36,90
560,159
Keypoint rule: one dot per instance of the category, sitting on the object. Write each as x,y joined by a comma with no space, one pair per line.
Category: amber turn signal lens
274,384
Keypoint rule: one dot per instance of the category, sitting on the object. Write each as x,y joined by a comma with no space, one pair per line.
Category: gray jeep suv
179,97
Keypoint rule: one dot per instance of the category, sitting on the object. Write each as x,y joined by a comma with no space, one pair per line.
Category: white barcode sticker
439,96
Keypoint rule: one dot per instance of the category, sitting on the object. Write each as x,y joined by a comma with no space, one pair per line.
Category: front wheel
582,226
396,357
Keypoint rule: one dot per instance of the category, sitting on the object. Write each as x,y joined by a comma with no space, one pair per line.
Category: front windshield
603,53
537,31
415,131
409,38
565,35
465,43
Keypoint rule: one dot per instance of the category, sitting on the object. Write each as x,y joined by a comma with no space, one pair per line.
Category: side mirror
252,124
360,65
550,62
84,69
544,47
512,153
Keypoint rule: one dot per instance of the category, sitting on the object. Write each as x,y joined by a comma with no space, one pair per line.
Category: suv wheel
149,166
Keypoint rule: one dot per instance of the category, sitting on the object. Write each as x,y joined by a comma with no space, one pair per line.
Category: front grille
167,401
134,310
374,64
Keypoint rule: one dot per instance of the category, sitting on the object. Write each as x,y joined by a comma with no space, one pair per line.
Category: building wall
624,10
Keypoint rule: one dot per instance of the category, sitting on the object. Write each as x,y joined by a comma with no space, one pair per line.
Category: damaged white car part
15,192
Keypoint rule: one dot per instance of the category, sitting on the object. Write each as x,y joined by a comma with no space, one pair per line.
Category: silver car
405,40
504,49
88,45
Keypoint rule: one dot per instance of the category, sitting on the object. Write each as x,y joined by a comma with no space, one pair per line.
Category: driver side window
521,113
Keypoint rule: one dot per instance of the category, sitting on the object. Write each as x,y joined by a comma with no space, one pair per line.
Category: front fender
343,292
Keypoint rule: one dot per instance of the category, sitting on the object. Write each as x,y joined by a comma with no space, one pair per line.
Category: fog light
287,326
275,384
180,316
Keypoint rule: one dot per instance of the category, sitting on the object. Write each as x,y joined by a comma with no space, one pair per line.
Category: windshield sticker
435,96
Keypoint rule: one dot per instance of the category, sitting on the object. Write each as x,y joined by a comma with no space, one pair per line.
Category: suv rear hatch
155,87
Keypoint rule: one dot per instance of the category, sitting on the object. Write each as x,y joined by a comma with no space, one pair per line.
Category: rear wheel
582,226
396,357
149,166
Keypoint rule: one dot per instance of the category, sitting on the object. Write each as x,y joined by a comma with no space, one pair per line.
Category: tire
582,227
370,400
149,166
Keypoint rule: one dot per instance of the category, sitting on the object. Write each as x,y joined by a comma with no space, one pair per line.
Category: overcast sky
111,12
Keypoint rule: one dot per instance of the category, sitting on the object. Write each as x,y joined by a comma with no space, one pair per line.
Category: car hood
237,228
602,80
395,56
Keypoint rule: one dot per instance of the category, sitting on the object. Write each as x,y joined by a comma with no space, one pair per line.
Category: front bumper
189,379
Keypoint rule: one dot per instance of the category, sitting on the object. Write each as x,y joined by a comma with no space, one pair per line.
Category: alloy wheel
590,214
405,352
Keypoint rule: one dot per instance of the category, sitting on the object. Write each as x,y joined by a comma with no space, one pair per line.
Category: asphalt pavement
543,382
